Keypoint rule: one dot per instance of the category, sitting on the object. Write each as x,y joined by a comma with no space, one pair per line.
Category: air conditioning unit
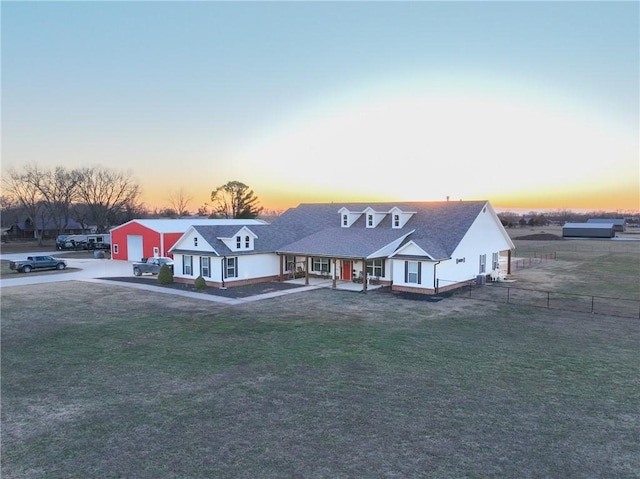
481,279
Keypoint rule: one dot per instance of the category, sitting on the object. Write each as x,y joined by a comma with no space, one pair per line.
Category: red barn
146,238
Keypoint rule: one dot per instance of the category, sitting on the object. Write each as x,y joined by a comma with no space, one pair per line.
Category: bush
200,283
165,275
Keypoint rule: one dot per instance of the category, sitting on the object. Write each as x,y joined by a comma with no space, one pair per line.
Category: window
195,241
231,267
495,261
156,251
187,265
483,263
205,266
412,272
396,221
321,265
369,220
345,220
246,242
375,268
238,242
290,263
115,249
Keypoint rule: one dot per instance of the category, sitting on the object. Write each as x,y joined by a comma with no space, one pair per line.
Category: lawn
326,384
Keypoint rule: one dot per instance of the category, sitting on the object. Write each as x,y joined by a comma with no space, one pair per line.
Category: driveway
91,270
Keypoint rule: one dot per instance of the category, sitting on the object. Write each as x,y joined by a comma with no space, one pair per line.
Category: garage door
134,248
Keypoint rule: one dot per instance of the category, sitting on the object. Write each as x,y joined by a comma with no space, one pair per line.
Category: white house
422,247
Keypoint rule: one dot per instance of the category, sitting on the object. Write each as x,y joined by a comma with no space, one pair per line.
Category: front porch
340,284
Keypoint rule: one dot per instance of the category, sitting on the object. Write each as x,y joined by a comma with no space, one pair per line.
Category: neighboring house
28,230
144,238
415,247
618,223
588,230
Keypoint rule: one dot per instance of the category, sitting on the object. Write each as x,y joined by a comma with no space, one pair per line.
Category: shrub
200,283
165,275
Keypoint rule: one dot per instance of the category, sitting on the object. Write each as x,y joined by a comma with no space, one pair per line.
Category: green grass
324,384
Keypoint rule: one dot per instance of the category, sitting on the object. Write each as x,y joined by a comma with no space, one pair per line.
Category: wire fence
521,263
581,303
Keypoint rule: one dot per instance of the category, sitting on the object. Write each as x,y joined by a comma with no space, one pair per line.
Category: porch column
333,283
509,262
306,270
364,275
281,267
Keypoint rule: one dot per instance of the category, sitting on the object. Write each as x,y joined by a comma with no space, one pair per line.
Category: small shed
145,238
618,223
588,230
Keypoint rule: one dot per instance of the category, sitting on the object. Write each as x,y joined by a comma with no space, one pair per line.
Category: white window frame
318,265
195,241
375,268
495,261
412,272
231,267
187,265
483,264
247,242
205,266
115,249
238,242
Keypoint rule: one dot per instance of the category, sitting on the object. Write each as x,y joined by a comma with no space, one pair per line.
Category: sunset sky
531,105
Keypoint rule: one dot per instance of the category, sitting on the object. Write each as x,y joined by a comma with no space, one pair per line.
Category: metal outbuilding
588,230
618,223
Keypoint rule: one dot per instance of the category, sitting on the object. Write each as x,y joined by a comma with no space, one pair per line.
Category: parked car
151,265
37,262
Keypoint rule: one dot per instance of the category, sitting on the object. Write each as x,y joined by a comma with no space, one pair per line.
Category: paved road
90,270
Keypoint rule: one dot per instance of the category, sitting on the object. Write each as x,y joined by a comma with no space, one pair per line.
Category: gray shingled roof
315,229
438,228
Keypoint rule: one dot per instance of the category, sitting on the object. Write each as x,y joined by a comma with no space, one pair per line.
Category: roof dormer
399,218
347,218
372,217
243,240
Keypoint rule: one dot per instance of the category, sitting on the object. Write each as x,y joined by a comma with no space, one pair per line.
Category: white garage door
134,248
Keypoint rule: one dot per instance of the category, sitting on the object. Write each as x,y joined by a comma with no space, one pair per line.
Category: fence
582,303
521,263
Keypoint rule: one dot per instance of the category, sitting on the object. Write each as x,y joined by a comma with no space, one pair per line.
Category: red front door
346,270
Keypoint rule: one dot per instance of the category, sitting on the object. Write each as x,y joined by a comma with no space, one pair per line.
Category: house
588,230
423,247
29,229
618,223
144,238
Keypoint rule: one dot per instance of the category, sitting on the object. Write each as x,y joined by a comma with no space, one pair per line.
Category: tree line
103,197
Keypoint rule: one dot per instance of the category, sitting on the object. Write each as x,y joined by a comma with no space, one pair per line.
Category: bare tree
179,202
108,194
59,189
23,186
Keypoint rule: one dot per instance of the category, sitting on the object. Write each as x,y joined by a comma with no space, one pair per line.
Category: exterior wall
483,238
168,240
587,232
251,269
150,239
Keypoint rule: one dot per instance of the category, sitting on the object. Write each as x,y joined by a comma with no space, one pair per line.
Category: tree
23,186
235,200
59,189
109,195
179,202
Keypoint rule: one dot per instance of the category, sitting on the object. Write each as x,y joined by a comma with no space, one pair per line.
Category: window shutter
419,272
236,268
406,271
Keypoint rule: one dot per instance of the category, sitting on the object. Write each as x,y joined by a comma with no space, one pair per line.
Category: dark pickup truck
37,262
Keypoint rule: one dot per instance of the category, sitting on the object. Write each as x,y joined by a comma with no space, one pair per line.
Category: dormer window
195,241
246,242
396,221
345,220
370,220
238,242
